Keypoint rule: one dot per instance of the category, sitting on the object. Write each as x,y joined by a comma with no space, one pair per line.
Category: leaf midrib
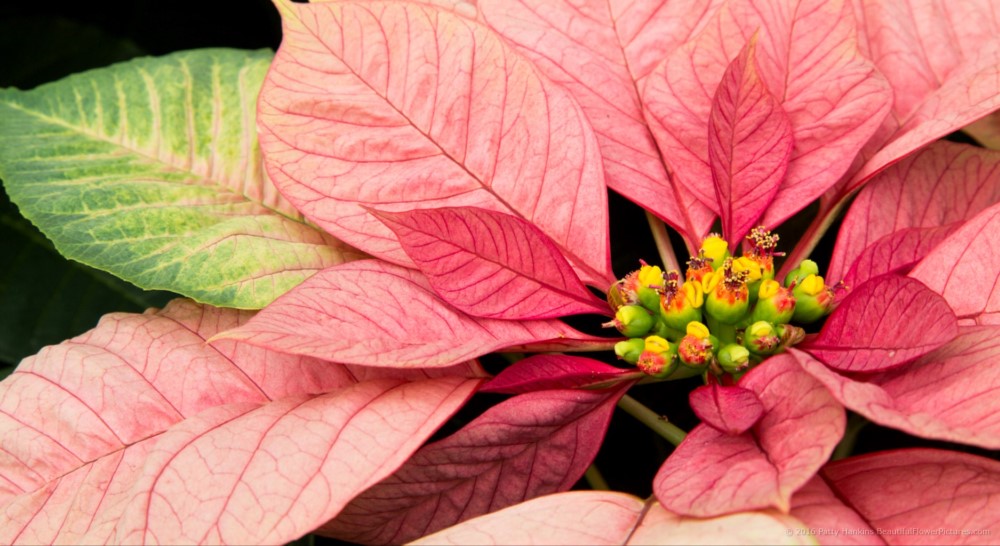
205,181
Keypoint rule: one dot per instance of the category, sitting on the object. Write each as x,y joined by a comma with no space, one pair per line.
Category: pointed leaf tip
884,323
446,114
377,314
529,445
712,473
808,56
729,409
557,371
949,394
601,58
491,264
749,144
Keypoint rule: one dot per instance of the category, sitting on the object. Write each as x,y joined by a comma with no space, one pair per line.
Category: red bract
807,55
882,324
476,260
749,145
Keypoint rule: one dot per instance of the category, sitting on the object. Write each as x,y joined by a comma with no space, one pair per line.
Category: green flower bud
681,305
813,299
727,298
805,268
649,298
630,349
657,358
734,358
761,338
632,321
775,303
753,275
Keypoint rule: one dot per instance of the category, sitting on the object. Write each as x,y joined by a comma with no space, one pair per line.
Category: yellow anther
697,329
768,289
748,265
650,275
710,281
656,344
812,285
694,294
715,248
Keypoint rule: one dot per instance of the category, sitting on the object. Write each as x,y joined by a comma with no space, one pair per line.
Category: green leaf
45,299
150,170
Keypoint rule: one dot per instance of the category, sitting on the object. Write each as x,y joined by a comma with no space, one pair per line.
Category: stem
811,238
725,332
512,358
846,446
663,245
646,416
595,479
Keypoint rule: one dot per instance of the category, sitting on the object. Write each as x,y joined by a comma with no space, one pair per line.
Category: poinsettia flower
729,109
468,149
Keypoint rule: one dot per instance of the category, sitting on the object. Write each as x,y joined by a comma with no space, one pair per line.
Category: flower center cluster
725,315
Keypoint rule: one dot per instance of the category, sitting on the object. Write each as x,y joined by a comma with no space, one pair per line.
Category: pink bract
530,445
179,441
335,313
490,264
422,107
469,149
712,473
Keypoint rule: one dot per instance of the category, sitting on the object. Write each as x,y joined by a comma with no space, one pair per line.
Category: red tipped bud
761,338
775,303
813,299
734,358
695,349
698,267
727,298
680,304
657,358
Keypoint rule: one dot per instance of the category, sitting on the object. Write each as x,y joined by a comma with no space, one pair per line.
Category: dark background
44,299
